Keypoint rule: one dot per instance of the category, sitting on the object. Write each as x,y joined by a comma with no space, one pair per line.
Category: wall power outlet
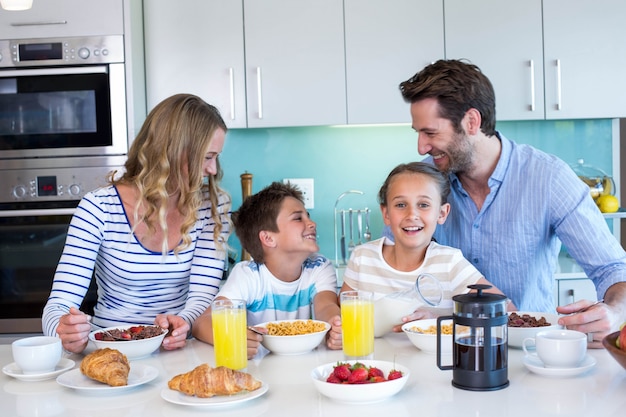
306,186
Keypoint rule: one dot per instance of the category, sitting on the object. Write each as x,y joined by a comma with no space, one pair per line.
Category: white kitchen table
601,391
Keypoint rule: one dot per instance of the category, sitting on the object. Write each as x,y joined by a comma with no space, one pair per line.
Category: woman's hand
73,330
178,329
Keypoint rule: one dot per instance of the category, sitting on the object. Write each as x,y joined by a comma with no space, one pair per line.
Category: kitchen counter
601,391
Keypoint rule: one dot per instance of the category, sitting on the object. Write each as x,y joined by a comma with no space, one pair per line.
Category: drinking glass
229,333
357,324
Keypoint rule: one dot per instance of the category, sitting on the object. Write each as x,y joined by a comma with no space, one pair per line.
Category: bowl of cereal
293,337
423,334
136,341
523,324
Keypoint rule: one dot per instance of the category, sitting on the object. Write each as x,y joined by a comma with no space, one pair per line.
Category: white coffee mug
38,354
558,348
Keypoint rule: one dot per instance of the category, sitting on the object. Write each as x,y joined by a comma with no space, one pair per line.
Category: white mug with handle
558,348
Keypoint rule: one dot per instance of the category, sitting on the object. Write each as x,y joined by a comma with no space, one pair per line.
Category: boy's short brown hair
259,212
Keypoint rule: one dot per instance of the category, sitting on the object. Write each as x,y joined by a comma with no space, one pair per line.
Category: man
513,205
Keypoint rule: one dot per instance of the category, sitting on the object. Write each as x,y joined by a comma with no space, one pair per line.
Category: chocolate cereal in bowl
293,337
135,341
523,324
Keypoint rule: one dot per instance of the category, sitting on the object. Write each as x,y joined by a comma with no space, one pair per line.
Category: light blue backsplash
359,158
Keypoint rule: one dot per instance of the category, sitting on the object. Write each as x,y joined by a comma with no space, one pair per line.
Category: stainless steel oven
62,97
63,128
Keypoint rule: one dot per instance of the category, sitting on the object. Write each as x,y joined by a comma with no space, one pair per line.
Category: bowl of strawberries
136,341
360,382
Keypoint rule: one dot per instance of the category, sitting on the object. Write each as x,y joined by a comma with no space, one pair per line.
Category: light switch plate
306,185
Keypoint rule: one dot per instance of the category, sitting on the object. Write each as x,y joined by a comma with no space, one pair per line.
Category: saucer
534,364
13,370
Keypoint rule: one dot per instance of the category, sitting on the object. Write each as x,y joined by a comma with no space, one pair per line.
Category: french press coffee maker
479,333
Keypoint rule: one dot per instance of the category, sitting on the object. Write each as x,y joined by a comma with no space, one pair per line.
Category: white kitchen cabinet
291,71
572,290
504,39
387,42
295,62
585,58
516,43
63,18
196,46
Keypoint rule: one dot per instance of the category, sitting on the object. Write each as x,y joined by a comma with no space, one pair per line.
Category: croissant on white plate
205,382
109,366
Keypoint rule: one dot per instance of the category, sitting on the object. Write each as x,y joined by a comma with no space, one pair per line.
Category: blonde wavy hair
166,157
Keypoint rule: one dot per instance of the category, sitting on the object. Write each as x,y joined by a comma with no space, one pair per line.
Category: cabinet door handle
259,92
558,85
231,74
532,85
572,294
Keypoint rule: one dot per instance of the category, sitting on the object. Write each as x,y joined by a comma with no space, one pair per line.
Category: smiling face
452,151
413,209
297,233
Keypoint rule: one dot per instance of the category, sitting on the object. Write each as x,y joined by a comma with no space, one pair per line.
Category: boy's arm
326,308
202,328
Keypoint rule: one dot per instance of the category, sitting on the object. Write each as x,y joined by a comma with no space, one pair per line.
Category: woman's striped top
134,283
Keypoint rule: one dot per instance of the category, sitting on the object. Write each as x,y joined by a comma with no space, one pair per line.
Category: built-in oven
63,128
62,98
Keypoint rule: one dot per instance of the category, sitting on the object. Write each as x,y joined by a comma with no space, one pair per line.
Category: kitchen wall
359,158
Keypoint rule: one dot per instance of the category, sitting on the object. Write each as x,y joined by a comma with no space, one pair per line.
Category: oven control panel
52,184
62,51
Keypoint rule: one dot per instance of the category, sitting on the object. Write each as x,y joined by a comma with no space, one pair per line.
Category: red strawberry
377,379
135,329
342,372
374,372
98,336
358,365
359,375
332,378
394,374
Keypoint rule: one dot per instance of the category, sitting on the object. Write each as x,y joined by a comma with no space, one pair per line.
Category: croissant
109,366
204,381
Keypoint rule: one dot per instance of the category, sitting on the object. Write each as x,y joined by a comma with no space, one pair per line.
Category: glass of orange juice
229,333
357,324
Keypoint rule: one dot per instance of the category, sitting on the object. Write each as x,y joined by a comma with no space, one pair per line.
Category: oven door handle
98,69
37,212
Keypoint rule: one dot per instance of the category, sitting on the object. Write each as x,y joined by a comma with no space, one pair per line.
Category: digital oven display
41,51
46,186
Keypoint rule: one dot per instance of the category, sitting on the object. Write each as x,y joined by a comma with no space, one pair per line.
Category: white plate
139,375
177,397
534,364
13,370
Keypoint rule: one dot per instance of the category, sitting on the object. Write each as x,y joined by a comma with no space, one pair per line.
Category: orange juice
229,333
357,323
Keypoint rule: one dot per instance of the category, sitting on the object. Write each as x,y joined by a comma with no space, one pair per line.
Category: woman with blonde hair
154,238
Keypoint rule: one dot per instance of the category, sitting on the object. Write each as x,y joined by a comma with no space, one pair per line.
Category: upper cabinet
561,60
295,65
387,42
585,58
196,46
290,73
63,18
504,39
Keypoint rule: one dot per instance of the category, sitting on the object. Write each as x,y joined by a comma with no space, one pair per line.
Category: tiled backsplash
349,158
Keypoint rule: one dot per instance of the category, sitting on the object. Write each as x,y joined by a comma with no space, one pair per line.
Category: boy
286,275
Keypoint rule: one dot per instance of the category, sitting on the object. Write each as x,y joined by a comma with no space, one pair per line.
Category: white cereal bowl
428,342
293,345
518,334
133,349
360,393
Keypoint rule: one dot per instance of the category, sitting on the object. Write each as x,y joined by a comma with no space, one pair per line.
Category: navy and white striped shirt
134,283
